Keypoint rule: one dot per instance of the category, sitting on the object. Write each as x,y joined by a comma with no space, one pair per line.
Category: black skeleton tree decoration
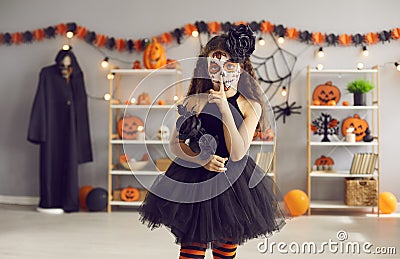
325,125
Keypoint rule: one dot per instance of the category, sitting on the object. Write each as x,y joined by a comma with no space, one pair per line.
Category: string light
319,67
104,63
397,65
176,98
321,52
360,66
365,51
261,41
281,40
70,34
110,76
66,47
284,91
107,96
195,33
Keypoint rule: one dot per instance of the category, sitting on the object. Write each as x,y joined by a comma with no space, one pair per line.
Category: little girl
213,195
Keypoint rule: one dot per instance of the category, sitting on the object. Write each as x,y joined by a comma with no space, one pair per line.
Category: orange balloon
297,201
387,202
83,192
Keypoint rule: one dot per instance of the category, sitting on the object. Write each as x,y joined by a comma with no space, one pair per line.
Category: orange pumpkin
326,92
345,103
83,193
154,55
316,102
324,160
359,125
130,194
128,126
331,103
161,102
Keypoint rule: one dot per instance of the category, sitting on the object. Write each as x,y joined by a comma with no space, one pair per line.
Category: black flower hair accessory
240,43
189,128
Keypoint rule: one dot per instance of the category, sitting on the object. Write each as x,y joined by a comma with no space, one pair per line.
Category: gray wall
20,65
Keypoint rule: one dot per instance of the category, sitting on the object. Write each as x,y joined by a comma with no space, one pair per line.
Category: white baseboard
19,200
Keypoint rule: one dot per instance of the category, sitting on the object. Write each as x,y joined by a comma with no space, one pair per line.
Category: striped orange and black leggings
225,250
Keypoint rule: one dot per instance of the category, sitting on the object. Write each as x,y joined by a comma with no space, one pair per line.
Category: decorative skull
163,133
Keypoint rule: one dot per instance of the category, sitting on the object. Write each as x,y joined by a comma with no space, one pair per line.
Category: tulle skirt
199,205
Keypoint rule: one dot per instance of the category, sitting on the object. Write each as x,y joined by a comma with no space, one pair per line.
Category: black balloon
110,43
7,38
305,36
130,45
90,37
97,199
358,39
72,26
255,26
178,34
202,27
280,30
226,26
384,36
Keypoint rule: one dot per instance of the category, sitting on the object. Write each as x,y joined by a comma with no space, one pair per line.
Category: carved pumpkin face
154,55
130,194
326,92
129,126
324,160
359,125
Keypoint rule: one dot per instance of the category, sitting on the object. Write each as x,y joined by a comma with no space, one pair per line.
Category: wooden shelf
326,107
125,203
141,142
339,174
262,143
138,106
129,172
343,71
337,143
145,71
331,204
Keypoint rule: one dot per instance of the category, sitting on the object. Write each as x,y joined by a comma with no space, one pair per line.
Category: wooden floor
25,233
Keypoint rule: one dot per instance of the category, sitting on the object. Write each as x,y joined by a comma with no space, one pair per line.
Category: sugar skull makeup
219,67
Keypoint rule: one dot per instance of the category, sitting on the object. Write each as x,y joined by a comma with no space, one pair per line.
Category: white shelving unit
315,77
116,109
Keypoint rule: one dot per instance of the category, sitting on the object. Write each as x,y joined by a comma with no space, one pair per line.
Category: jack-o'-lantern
130,194
326,92
359,125
144,98
324,160
154,55
129,127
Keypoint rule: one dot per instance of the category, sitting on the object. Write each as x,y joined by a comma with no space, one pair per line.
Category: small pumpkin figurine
326,92
129,126
154,55
324,160
360,126
130,194
144,98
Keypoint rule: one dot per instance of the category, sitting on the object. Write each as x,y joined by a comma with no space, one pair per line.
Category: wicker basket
361,192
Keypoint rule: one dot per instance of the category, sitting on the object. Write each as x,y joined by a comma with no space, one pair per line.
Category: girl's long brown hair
247,86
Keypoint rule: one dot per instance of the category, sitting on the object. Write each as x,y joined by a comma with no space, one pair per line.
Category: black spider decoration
286,110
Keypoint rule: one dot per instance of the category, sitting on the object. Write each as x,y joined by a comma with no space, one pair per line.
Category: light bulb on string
70,34
321,52
284,91
397,65
110,76
176,98
365,51
281,40
319,67
195,33
261,41
104,63
107,96
66,47
360,66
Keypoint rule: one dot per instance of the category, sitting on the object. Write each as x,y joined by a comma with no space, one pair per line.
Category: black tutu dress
203,206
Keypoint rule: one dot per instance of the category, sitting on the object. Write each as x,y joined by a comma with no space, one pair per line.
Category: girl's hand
216,164
219,97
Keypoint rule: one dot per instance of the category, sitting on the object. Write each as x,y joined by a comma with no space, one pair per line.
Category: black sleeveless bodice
210,118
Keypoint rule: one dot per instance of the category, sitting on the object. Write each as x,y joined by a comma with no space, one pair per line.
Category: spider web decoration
276,72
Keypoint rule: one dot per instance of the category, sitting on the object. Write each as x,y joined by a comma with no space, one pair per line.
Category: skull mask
163,133
219,67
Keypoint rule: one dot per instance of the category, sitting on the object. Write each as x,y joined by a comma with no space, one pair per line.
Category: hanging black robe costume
59,123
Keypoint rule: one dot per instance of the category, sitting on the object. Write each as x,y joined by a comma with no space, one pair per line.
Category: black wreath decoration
189,128
240,43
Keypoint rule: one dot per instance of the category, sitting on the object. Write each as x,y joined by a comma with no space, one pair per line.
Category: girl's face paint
220,68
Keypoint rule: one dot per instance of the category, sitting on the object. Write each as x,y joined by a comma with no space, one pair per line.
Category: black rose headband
240,43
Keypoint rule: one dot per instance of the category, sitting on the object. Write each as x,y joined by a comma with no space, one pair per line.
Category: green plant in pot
359,88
